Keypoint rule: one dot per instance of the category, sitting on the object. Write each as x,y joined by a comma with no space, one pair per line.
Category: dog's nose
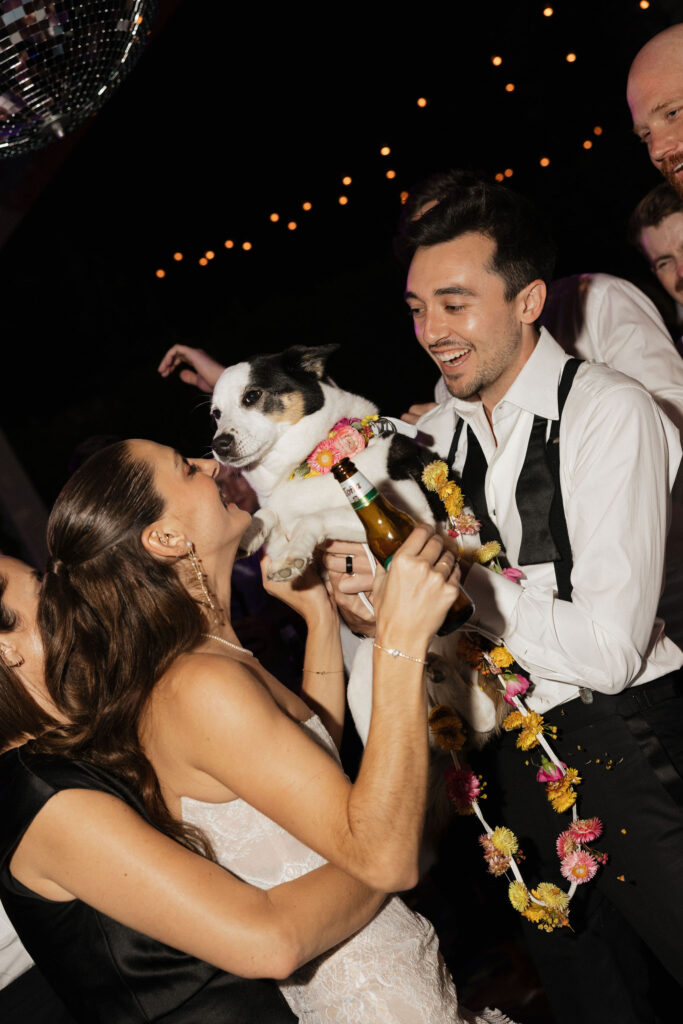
222,445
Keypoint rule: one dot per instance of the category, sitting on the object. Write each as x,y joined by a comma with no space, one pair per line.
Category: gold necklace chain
236,647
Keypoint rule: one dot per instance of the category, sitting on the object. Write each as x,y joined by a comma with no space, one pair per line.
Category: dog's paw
258,531
286,568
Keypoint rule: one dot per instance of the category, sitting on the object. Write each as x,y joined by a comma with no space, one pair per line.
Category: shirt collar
535,386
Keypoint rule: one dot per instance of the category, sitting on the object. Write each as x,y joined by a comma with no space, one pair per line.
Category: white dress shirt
618,458
14,959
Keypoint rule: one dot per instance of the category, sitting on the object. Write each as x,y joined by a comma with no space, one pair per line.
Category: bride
147,667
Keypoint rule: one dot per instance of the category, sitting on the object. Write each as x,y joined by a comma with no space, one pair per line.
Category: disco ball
60,61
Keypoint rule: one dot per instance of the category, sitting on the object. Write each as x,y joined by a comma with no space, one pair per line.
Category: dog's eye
215,415
251,396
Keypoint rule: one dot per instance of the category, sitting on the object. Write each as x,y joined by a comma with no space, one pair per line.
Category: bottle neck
359,491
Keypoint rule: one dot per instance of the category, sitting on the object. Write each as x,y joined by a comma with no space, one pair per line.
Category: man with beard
655,96
656,228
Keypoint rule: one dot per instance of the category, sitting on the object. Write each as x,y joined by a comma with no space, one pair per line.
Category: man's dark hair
524,249
434,188
661,202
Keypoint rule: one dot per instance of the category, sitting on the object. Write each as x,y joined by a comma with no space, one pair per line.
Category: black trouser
30,1000
629,751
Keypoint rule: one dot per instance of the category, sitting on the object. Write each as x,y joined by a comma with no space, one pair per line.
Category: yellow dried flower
527,740
501,657
434,475
563,801
452,497
553,897
518,896
515,720
486,552
505,841
534,913
447,728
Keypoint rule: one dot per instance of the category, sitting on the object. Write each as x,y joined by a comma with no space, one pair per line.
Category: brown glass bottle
386,527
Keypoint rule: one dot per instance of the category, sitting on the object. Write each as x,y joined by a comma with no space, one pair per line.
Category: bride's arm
231,729
323,686
92,846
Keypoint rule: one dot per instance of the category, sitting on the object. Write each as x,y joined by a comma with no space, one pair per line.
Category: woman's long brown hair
113,619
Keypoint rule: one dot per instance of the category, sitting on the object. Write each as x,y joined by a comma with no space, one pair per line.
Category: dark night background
229,116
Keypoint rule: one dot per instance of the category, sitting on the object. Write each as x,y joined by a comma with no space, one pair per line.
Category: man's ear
311,359
10,655
531,301
163,542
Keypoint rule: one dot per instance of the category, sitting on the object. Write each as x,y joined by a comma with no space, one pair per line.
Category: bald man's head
655,96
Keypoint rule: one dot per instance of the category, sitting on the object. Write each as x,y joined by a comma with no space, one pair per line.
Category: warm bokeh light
544,161
292,225
161,273
644,4
275,217
497,61
229,244
570,58
422,102
209,254
385,151
548,12
597,130
508,172
177,256
343,200
499,177
346,180
203,261
307,206
404,197
246,246
391,174
510,87
588,144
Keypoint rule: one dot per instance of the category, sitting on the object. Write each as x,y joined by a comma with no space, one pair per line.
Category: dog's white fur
298,514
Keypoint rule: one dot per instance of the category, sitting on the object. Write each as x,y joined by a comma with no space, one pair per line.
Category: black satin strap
538,494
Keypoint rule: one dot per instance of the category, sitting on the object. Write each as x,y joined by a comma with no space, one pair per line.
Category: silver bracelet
395,653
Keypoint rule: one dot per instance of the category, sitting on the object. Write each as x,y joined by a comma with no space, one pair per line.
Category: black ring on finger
349,565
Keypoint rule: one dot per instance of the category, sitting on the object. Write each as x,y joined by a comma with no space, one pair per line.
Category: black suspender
538,493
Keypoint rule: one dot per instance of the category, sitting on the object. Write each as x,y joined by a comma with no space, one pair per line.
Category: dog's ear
311,359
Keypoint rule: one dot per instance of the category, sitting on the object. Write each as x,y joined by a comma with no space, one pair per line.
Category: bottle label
359,491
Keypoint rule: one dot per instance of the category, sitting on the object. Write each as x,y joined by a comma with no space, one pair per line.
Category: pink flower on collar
349,441
514,686
513,574
343,422
325,455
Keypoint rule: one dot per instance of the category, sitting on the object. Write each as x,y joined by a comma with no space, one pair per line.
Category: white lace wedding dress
390,971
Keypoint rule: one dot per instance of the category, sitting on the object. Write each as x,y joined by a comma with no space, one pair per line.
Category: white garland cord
489,831
373,569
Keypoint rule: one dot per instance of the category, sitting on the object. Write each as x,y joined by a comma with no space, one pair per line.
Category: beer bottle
386,527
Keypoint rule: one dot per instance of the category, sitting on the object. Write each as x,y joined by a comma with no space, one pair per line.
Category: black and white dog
270,413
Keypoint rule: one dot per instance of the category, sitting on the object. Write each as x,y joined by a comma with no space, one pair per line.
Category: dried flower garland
546,906
347,438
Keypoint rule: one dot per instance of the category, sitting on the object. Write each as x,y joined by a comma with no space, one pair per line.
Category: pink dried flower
550,772
325,455
349,441
578,867
565,845
462,786
585,830
513,687
465,524
343,422
497,862
513,574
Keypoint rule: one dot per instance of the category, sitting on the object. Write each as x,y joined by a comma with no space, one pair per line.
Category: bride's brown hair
113,619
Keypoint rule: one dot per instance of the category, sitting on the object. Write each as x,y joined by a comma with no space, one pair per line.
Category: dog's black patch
406,460
297,369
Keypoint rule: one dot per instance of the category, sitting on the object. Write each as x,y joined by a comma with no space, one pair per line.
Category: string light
229,244
496,61
499,177
346,180
404,197
510,87
343,200
422,102
548,12
588,144
544,161
292,225
307,206
161,273
177,256
597,130
508,172
644,4
570,58
385,151
275,217
203,261
209,254
246,246
391,174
